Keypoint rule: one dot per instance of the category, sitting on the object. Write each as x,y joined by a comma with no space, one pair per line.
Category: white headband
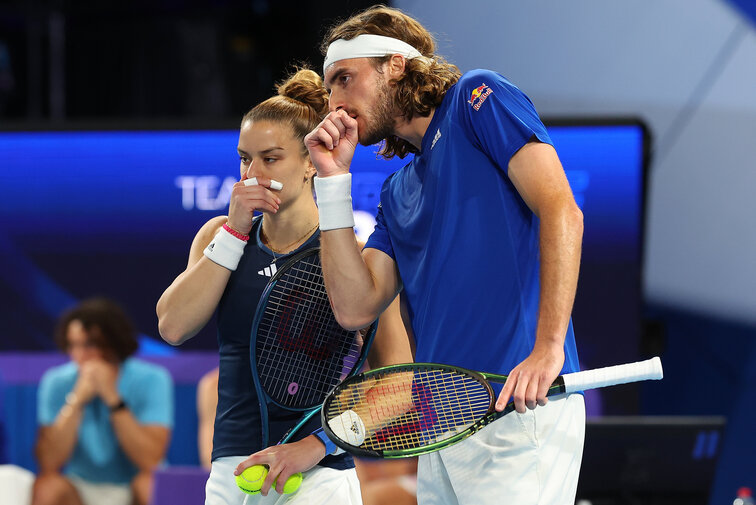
367,46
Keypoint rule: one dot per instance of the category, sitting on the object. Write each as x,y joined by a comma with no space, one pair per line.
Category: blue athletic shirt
237,429
464,241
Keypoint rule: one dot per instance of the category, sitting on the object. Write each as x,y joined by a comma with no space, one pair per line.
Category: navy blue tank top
237,419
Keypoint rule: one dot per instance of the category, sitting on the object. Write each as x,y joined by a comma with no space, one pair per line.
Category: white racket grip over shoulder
348,427
650,369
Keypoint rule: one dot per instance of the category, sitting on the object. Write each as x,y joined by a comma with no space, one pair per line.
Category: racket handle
650,369
349,427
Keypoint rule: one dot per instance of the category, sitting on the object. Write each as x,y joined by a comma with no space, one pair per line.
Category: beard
382,121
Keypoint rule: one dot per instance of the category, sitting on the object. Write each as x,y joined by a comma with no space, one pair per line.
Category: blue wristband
330,447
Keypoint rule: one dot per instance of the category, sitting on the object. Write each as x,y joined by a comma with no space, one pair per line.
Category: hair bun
306,86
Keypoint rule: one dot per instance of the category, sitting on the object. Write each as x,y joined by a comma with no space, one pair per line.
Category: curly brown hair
301,102
425,81
106,325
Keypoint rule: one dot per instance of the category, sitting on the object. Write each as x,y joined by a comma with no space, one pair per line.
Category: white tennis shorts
94,493
523,459
320,486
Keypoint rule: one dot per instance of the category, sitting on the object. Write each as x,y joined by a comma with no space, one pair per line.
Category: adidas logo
435,138
268,271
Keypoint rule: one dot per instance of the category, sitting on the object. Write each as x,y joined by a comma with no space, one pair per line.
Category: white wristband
225,250
335,201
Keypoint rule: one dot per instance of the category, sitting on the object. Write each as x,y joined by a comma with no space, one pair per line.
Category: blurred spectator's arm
59,422
145,445
56,442
207,402
143,429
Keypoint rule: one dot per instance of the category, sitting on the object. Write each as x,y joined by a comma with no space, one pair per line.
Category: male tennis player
480,230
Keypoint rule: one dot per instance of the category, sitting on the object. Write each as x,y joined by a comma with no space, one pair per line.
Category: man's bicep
537,173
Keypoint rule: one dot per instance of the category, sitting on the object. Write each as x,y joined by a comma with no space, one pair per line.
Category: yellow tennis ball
292,483
251,479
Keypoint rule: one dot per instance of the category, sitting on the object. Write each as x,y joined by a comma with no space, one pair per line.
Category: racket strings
301,351
410,409
316,376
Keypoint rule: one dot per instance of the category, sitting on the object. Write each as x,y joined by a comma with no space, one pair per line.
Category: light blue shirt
147,390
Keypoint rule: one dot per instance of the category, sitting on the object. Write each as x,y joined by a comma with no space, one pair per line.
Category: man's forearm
350,285
561,235
145,446
56,442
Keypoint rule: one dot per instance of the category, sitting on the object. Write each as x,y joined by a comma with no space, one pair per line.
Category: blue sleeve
155,404
500,117
380,238
50,398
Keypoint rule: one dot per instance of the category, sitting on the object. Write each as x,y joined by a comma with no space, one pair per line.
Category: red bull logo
479,95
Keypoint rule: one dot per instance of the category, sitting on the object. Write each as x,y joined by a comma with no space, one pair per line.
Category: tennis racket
411,409
298,352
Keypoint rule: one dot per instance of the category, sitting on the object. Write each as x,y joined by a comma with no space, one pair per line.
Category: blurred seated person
105,418
387,481
207,402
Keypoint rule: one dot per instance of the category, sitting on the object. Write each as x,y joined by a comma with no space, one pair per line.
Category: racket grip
650,369
349,427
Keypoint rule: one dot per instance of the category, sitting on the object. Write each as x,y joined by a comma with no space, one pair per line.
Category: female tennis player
230,262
